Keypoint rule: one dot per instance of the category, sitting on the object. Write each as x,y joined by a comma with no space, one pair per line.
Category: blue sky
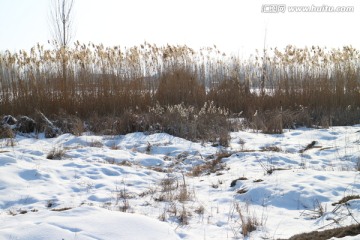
233,25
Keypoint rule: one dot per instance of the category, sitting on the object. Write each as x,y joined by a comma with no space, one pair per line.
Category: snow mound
85,223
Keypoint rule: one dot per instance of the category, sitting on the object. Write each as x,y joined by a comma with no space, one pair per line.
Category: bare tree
61,13
62,21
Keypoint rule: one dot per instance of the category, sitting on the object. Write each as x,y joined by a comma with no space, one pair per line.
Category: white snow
113,187
85,223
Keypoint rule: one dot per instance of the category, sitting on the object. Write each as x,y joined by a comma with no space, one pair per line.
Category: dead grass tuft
211,166
340,232
345,199
61,209
242,191
56,154
271,149
248,221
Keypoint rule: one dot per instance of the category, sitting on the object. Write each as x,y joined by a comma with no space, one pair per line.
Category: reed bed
294,86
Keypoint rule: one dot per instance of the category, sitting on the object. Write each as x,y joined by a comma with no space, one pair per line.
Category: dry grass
309,146
121,198
233,182
200,210
56,153
352,230
246,221
345,199
96,144
318,211
61,209
271,148
183,216
269,168
242,191
6,132
168,186
280,89
211,166
207,123
173,190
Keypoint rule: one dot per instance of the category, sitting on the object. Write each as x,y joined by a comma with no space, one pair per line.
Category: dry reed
294,86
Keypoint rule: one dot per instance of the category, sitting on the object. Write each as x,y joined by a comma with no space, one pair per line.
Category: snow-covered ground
159,186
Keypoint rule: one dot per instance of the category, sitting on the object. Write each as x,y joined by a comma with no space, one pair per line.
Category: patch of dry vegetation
352,230
244,221
345,199
56,153
112,89
211,166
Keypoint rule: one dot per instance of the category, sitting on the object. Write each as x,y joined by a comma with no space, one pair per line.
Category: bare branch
61,13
